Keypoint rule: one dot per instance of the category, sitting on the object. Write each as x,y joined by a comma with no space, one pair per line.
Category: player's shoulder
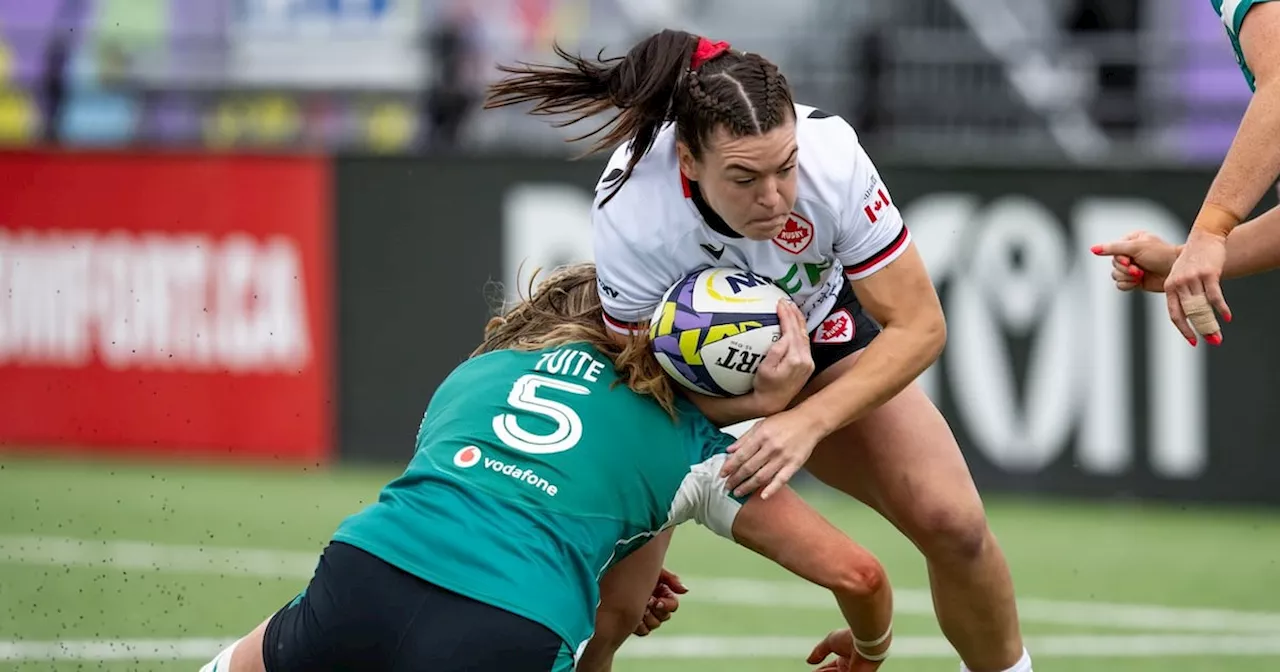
1232,12
648,210
830,158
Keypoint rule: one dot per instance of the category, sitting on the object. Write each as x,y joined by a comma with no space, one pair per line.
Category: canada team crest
796,235
838,327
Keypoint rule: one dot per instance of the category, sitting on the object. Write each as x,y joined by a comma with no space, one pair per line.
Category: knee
952,535
859,575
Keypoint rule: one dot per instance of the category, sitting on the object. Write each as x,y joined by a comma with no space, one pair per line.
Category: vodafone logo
467,457
837,328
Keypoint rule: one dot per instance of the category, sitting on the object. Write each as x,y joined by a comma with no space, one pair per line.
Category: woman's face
750,181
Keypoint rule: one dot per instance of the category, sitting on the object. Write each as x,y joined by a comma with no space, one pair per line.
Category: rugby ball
712,328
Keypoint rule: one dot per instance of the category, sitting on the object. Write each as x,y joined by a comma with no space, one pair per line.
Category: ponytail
661,79
640,86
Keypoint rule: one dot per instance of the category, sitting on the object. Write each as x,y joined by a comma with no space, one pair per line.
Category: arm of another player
1250,168
1141,259
789,532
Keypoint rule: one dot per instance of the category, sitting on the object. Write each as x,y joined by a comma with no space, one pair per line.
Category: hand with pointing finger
1139,260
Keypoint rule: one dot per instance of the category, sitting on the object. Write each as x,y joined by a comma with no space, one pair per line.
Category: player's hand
662,603
1193,291
770,453
787,365
1139,261
840,642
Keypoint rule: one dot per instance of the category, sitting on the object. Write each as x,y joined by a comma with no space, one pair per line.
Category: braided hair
671,76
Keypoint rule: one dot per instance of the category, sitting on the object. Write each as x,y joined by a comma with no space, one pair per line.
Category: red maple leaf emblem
796,235
835,328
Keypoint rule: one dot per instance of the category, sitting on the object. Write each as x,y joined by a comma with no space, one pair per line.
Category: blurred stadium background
242,240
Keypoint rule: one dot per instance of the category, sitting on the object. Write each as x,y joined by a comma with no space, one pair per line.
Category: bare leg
902,460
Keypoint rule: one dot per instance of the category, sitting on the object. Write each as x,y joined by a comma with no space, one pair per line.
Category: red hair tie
706,51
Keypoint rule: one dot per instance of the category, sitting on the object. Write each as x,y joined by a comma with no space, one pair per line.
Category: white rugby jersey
657,228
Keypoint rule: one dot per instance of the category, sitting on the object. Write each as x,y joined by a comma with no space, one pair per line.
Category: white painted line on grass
797,594
661,646
296,565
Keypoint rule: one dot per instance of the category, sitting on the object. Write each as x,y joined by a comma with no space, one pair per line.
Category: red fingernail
1226,316
1192,341
1213,339
1135,271
1096,249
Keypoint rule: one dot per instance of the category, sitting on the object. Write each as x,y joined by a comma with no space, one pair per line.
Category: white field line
709,647
146,556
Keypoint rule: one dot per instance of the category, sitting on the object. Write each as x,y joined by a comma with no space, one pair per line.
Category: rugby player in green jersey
542,462
1218,245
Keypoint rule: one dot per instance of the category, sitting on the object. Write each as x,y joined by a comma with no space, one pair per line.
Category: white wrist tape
860,646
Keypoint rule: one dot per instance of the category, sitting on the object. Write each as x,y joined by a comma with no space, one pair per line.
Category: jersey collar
709,216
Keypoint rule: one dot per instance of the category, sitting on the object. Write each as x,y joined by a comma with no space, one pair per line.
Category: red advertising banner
166,303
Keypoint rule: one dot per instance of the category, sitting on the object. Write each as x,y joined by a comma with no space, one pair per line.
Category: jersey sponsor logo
715,251
796,235
793,282
881,202
467,457
875,180
609,291
526,476
837,328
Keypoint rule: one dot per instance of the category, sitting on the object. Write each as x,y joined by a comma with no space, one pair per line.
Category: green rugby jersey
1232,14
534,473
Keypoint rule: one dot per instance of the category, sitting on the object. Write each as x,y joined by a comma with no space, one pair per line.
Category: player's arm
789,532
901,297
1253,160
624,591
890,281
1253,248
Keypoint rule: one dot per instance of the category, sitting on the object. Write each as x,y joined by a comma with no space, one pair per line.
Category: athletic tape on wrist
873,657
876,642
1215,219
859,645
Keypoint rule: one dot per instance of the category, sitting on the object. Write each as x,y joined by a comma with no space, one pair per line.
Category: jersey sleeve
703,495
630,275
1233,13
870,233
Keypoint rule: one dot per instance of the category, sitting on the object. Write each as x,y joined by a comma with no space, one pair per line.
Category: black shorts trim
361,613
845,330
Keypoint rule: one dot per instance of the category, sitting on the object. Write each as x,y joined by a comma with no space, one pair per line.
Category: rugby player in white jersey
1218,245
717,166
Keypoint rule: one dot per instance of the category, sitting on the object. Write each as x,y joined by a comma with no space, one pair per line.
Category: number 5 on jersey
524,396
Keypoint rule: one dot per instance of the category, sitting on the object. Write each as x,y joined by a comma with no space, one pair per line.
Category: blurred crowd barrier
935,80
